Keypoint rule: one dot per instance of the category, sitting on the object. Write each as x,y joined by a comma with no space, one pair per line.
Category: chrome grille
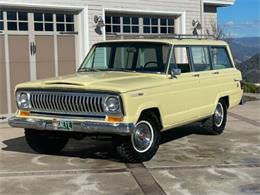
67,103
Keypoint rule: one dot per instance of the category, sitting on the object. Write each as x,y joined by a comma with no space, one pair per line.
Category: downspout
201,16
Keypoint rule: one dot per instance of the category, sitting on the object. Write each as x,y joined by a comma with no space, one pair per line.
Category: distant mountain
251,69
244,48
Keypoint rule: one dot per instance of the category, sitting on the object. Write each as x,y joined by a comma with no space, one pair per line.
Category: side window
200,58
181,59
220,58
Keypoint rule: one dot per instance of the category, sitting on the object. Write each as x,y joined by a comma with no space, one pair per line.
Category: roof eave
219,3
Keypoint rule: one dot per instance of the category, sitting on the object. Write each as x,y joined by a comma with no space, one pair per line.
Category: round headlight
112,104
23,101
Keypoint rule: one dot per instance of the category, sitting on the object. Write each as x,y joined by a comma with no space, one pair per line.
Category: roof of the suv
176,41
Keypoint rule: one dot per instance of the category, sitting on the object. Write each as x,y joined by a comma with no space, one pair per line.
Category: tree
217,31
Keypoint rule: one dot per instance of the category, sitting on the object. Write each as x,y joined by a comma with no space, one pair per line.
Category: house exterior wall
191,9
210,17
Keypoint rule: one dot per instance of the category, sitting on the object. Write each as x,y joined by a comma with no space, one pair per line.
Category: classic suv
131,90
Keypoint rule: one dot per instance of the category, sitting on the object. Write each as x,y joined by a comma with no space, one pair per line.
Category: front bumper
91,127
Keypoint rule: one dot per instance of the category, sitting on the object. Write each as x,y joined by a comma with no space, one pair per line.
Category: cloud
242,25
229,23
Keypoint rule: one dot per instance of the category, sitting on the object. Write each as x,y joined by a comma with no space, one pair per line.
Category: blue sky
242,19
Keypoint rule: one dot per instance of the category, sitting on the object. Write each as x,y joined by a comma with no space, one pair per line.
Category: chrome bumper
78,126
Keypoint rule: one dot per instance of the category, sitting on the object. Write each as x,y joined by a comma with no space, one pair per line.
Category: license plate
62,124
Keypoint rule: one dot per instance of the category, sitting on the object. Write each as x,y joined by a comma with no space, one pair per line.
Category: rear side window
200,58
220,58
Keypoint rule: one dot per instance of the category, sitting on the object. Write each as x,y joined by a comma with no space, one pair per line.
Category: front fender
146,106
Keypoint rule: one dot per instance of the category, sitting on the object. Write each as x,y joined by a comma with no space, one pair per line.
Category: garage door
128,26
37,45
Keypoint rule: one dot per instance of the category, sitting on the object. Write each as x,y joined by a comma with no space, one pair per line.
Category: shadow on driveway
96,149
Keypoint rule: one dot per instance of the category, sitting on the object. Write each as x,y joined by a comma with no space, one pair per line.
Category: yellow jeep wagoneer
131,90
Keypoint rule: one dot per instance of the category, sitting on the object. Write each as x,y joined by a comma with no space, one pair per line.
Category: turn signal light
114,119
24,113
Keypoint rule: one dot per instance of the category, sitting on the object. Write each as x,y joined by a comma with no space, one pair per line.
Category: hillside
244,48
251,69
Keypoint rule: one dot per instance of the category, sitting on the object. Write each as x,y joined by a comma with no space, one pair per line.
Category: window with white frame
113,24
167,25
65,22
150,25
1,20
17,21
158,25
45,22
139,24
130,24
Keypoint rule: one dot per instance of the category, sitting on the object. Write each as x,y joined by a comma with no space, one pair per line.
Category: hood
103,81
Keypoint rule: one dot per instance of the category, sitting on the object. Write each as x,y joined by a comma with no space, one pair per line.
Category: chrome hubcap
219,115
142,137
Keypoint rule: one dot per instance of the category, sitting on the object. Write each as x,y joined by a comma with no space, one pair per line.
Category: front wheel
144,141
45,142
215,124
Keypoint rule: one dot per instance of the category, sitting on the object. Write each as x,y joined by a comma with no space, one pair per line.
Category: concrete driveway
187,162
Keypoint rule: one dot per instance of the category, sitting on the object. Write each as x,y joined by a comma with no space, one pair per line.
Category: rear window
220,58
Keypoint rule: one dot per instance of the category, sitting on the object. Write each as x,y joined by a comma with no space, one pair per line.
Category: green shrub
250,87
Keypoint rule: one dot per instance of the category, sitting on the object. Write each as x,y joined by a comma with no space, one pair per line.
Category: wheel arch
155,109
225,97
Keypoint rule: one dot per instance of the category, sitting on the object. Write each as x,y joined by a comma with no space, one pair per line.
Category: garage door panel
3,89
19,62
66,54
45,60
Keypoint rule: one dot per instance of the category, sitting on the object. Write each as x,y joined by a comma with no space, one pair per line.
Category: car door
208,79
216,73
183,90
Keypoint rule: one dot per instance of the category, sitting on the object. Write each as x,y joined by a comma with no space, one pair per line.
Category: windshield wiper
88,70
120,69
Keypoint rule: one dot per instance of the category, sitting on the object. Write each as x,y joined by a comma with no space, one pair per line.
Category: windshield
127,56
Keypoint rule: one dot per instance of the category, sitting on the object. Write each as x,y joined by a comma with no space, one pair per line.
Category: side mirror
175,72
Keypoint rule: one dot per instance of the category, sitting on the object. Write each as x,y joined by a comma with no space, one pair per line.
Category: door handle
215,72
31,48
196,75
34,48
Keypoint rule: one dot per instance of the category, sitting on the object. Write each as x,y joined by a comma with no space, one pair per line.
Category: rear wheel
45,142
144,141
215,124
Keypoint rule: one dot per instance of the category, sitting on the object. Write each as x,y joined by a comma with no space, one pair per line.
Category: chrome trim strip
78,126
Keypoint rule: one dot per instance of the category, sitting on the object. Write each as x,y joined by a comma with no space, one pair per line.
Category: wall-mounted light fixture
99,21
196,26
